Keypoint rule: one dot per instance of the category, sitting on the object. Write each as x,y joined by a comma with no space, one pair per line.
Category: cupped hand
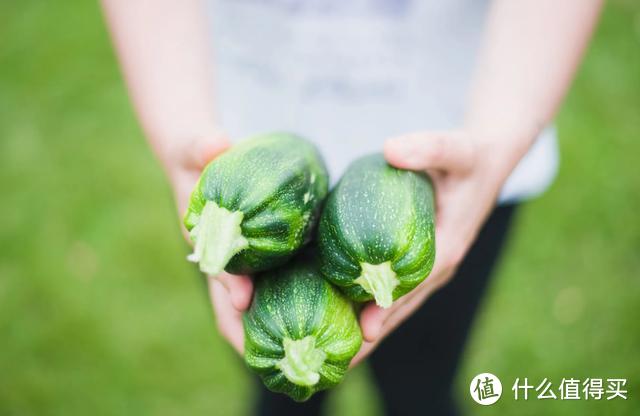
468,170
230,294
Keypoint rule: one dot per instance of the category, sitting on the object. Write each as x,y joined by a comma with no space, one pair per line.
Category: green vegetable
256,204
300,331
376,233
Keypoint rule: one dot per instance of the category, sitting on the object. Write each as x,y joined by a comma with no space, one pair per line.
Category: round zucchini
376,233
300,331
255,205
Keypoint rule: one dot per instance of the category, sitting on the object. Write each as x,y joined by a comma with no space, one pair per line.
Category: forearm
163,50
530,53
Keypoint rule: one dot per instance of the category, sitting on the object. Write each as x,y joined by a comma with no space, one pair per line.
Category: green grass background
100,314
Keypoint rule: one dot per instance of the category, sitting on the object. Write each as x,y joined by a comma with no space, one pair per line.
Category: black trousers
415,366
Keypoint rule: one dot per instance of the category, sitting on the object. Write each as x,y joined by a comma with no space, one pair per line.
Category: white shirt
350,74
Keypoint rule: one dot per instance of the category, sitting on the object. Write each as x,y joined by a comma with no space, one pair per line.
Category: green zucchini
376,235
300,331
254,206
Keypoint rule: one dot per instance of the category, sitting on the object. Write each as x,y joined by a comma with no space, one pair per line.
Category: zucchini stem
218,237
302,361
379,280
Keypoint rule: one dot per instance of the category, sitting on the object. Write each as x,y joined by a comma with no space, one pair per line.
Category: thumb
187,165
202,150
449,151
239,289
372,318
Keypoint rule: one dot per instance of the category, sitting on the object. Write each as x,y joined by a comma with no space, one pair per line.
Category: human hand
230,294
468,169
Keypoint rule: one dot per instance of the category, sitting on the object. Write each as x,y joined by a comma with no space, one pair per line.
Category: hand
230,295
468,170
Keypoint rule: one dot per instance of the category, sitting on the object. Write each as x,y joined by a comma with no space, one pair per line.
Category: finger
456,225
239,289
183,184
187,164
375,324
403,311
404,307
366,349
372,318
228,318
447,151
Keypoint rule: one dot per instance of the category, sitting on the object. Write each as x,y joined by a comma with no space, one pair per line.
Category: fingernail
374,332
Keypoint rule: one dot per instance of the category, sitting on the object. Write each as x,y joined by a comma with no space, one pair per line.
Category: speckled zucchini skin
278,181
375,214
294,302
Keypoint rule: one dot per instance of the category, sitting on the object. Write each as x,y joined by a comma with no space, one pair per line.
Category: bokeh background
100,313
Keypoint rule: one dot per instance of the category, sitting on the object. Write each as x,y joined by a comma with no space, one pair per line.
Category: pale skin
530,52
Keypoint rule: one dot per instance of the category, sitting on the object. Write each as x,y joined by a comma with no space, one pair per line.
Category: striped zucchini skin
294,302
378,214
278,182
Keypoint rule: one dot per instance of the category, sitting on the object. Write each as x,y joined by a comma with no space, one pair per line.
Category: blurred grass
100,314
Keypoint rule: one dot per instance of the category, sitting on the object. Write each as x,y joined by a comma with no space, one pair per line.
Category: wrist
501,146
